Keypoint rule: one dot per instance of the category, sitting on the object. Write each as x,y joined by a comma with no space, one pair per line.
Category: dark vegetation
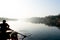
52,20
8,19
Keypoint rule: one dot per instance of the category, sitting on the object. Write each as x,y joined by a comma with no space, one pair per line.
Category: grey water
38,31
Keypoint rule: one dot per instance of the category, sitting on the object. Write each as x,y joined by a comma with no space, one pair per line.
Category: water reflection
38,31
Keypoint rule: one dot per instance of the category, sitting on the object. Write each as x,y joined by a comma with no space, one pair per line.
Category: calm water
38,31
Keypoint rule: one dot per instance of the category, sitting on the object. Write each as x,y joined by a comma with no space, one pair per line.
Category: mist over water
38,31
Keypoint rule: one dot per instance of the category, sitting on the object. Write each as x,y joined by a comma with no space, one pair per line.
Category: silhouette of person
3,27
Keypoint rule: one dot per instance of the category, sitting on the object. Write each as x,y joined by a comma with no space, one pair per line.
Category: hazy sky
28,8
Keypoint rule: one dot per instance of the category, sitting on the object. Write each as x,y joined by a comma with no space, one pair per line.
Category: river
38,31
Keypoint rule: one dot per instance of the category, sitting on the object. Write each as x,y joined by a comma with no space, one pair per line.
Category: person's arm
7,26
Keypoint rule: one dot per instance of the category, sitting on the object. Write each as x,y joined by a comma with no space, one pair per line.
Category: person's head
4,21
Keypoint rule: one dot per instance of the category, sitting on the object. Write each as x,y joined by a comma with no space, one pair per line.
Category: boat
13,35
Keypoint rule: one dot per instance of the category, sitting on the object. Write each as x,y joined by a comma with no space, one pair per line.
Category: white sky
28,8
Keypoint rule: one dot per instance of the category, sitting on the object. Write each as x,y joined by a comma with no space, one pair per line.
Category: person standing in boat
3,27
